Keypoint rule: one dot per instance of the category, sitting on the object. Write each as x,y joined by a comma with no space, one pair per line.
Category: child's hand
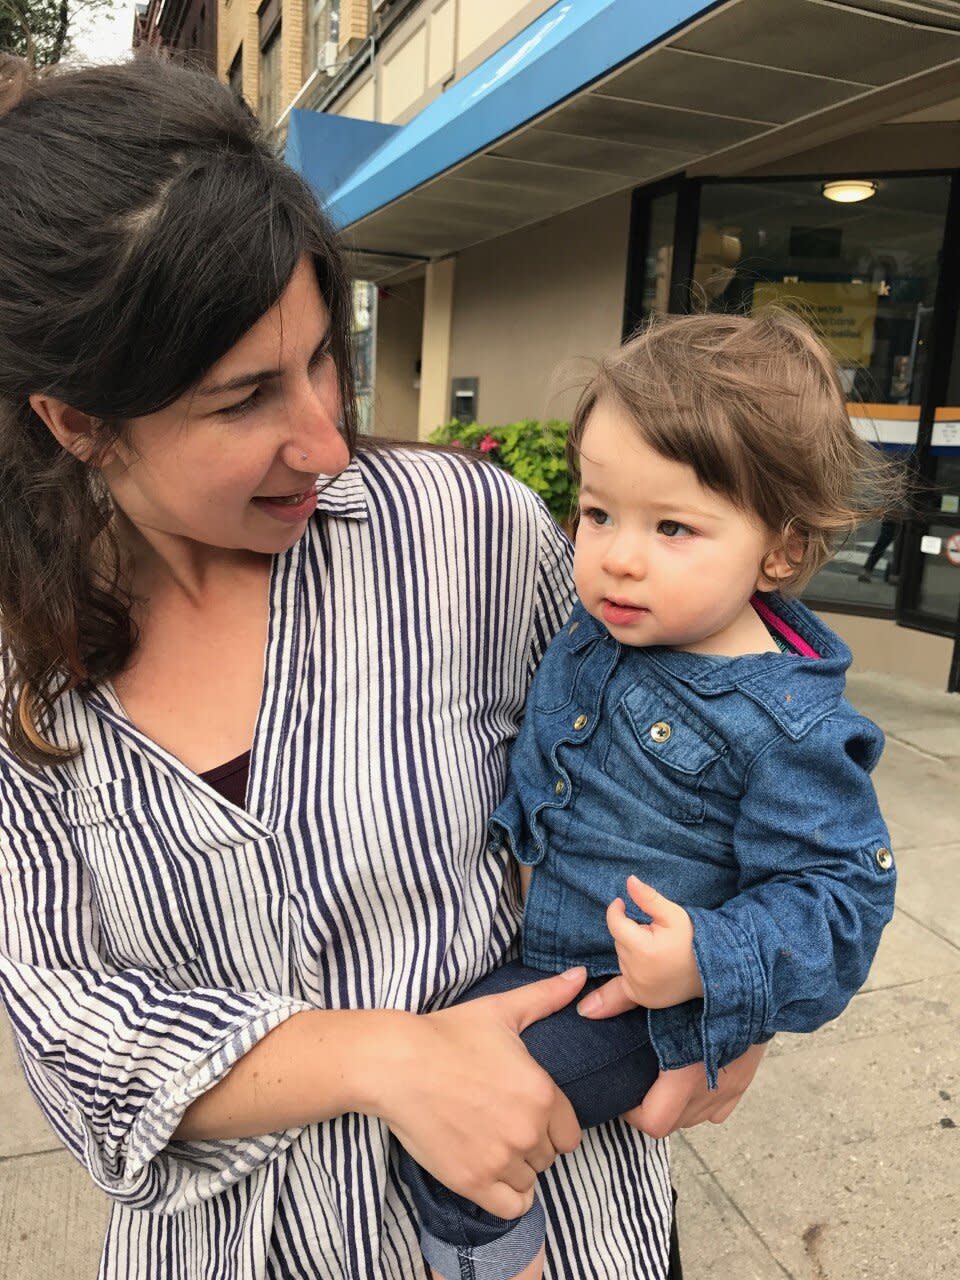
656,960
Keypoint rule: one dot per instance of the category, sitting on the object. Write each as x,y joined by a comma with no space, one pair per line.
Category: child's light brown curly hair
754,405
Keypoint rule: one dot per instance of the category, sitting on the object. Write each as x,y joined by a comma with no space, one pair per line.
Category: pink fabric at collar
772,620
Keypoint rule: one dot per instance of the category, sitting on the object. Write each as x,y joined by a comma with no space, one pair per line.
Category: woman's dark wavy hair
145,226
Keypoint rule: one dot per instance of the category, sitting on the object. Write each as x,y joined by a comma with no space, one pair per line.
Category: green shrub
531,451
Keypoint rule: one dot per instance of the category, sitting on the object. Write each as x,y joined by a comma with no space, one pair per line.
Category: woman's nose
316,442
327,455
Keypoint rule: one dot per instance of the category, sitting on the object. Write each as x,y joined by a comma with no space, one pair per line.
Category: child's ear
779,566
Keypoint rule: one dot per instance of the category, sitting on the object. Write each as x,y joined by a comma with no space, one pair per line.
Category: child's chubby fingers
661,910
625,932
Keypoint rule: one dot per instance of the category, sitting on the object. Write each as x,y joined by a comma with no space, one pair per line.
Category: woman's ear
75,430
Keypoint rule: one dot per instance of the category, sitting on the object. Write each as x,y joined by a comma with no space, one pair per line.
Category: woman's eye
242,406
320,356
674,529
596,515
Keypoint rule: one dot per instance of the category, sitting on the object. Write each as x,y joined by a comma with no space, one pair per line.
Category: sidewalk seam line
736,1208
25,1155
930,929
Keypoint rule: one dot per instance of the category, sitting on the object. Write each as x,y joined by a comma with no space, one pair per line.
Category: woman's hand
467,1101
678,1099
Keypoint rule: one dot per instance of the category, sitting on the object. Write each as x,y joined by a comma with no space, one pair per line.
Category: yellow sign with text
843,314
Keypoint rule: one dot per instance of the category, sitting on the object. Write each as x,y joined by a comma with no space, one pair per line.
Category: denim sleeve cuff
676,1034
734,999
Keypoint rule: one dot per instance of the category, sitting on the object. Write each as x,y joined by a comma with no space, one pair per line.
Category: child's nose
625,559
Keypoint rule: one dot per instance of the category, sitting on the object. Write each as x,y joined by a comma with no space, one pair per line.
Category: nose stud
303,457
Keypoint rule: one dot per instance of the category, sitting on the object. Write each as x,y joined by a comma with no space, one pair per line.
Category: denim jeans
604,1067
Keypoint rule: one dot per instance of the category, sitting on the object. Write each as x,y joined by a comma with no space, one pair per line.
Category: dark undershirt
230,779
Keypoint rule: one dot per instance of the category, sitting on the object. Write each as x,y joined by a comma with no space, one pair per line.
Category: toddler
686,735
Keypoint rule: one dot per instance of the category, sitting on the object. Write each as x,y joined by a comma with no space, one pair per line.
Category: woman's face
233,462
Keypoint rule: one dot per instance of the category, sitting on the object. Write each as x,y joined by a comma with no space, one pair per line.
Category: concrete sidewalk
843,1161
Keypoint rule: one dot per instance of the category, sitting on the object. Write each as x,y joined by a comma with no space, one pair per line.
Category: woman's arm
457,1087
121,1060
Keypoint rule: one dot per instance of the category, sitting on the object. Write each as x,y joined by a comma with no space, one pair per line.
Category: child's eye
674,529
596,515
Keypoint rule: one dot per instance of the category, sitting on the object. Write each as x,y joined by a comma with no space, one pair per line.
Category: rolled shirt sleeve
816,888
114,1056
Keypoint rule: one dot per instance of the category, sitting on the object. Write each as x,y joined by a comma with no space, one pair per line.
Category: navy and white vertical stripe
151,932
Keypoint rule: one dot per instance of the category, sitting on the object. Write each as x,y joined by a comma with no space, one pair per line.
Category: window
268,103
658,258
362,334
321,36
235,74
865,276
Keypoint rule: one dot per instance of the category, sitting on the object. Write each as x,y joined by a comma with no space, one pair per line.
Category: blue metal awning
598,97
573,44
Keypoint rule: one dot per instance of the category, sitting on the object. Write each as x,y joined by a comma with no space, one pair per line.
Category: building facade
535,179
179,26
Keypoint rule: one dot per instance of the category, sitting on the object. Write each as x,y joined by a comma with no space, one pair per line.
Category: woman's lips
288,512
621,614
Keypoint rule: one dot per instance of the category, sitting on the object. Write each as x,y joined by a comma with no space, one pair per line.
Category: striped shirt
151,932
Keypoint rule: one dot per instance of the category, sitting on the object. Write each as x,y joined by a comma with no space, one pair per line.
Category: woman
253,727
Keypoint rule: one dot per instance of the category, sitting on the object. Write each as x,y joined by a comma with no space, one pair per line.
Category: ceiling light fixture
849,190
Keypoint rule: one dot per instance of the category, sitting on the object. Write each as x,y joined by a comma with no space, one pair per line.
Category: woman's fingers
506,1202
468,1102
607,1001
563,1127
680,1099
517,1009
667,1100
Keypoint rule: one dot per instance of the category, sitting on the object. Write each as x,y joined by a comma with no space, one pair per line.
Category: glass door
865,275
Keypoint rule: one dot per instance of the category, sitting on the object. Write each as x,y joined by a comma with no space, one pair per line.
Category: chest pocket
167,888
657,743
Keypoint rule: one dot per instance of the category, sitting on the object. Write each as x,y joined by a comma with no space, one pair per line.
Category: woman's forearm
316,1065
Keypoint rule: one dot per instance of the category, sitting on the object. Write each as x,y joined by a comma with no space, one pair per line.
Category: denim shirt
738,787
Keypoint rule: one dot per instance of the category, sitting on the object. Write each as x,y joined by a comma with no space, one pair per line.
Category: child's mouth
620,614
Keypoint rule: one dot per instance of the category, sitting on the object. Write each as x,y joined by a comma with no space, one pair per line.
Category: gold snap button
884,858
660,731
580,722
561,787
572,628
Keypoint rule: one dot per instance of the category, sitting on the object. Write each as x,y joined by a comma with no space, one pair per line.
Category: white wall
530,300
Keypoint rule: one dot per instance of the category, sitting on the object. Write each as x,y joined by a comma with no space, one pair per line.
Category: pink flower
487,444
456,444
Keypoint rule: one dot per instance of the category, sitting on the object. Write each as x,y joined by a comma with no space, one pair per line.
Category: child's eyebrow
685,508
673,506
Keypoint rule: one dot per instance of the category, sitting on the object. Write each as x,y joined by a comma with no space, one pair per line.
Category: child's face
661,560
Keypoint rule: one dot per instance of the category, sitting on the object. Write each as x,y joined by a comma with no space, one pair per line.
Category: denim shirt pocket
676,748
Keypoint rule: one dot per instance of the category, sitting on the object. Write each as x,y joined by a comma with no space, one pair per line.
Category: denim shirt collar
792,689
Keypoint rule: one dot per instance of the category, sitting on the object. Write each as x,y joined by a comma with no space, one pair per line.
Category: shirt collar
792,688
343,495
